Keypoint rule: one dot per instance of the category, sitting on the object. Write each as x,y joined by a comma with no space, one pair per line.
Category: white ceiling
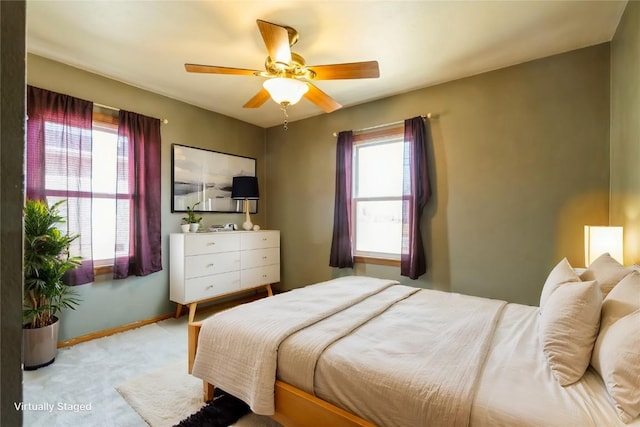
417,43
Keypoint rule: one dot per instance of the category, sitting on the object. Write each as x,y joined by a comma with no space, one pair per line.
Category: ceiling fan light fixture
285,91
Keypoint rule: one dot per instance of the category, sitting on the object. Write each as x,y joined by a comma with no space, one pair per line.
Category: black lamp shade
245,187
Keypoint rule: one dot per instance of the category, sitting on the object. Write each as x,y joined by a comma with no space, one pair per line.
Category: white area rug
165,396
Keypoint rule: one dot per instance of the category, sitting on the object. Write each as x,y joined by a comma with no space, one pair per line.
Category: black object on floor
222,411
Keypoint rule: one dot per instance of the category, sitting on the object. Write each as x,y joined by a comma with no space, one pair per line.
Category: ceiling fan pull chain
283,107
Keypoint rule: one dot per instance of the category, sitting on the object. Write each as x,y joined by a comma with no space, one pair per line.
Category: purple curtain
138,234
59,146
341,249
416,193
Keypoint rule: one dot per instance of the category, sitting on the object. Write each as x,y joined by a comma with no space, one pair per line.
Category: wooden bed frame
293,407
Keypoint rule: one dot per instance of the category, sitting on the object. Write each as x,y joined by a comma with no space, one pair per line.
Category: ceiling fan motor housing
295,69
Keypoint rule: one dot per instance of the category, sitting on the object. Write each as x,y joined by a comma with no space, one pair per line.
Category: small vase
185,228
193,227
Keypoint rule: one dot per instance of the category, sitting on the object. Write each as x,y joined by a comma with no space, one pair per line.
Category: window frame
385,135
109,123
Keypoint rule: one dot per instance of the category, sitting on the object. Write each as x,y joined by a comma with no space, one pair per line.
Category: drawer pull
264,275
211,243
264,257
209,287
209,265
264,239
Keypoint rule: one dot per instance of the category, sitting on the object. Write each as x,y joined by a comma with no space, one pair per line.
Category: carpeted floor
167,396
80,388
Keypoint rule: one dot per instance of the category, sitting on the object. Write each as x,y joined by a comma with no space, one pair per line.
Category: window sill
103,269
377,261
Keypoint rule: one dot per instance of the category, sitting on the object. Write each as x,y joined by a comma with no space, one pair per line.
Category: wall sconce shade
600,240
286,91
245,187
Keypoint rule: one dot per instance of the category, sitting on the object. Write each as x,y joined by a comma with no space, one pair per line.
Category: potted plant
192,219
46,260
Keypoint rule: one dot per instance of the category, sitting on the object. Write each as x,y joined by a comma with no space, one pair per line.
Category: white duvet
238,348
397,356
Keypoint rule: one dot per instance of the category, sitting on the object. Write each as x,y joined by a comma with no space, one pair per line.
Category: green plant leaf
46,260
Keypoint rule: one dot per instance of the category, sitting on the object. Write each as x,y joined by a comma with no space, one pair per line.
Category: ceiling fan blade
196,68
257,101
321,99
276,38
352,70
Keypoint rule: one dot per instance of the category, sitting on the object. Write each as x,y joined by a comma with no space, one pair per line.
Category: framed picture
205,176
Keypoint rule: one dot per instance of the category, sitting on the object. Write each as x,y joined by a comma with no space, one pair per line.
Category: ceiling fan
288,76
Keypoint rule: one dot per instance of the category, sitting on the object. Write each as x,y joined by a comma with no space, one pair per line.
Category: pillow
618,353
568,327
607,271
561,273
623,299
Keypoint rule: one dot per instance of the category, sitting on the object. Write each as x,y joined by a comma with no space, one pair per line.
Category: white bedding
238,348
415,364
518,388
412,357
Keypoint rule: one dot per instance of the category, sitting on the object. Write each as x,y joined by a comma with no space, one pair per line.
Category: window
105,168
376,216
107,158
377,195
97,187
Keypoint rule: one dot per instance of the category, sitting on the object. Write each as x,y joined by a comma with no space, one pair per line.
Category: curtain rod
424,116
108,107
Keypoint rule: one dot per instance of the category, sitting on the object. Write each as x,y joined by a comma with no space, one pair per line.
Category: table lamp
246,188
598,240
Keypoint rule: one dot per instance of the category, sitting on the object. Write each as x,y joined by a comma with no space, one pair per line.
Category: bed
366,351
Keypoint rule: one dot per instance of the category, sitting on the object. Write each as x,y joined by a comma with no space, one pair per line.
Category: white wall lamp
599,240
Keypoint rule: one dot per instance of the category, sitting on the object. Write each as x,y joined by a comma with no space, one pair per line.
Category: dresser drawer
252,277
201,288
210,243
260,240
204,265
259,257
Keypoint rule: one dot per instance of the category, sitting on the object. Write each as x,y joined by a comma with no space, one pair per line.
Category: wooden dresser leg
178,310
269,290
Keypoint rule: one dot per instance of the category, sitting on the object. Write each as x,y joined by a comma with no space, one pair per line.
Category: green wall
625,130
108,303
519,163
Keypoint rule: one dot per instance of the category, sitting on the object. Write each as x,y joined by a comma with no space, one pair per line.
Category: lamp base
247,224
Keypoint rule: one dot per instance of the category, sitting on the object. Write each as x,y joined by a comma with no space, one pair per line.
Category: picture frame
206,176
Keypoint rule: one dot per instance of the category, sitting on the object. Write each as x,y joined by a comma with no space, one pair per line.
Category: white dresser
207,266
